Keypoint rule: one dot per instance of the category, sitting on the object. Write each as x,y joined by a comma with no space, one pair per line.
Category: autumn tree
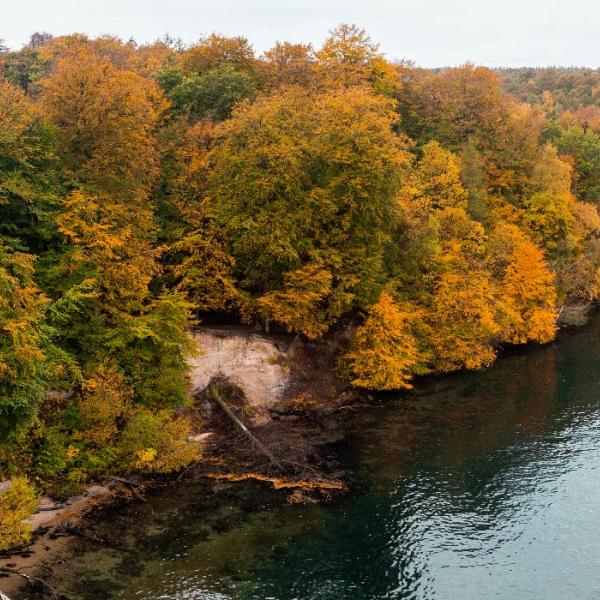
289,64
105,120
462,314
303,302
17,504
109,309
23,337
465,106
526,287
530,297
436,180
215,51
28,170
299,179
384,353
104,400
349,58
199,260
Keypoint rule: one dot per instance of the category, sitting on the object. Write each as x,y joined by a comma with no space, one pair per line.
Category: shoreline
46,542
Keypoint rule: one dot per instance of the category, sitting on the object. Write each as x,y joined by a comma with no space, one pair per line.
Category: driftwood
77,532
128,482
216,397
35,581
133,487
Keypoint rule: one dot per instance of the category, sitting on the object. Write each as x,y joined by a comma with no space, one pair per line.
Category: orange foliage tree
384,353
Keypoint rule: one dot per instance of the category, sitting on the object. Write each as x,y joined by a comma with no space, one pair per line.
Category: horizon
431,33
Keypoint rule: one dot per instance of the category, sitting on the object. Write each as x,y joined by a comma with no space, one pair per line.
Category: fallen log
216,397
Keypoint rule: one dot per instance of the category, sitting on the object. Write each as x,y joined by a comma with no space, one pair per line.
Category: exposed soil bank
271,370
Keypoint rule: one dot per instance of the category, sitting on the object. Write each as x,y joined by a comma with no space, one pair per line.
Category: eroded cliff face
258,365
270,370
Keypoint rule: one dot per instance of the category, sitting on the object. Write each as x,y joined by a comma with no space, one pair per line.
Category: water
481,485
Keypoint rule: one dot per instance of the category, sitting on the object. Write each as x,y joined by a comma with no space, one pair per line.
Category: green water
480,485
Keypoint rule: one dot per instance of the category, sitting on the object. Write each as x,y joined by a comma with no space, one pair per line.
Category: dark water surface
480,485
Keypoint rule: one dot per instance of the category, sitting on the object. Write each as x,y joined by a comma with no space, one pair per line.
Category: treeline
144,186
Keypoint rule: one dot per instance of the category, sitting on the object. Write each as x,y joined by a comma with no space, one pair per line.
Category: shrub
16,504
157,442
104,400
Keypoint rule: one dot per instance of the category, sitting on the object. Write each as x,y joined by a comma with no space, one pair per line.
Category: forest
436,216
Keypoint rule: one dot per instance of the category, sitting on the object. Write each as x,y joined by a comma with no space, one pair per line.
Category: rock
200,437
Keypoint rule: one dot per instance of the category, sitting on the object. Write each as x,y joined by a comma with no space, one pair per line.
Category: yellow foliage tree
302,304
462,321
384,353
434,182
105,120
349,57
157,442
551,175
104,399
462,312
16,504
111,248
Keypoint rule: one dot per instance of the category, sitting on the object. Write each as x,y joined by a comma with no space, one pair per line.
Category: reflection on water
481,485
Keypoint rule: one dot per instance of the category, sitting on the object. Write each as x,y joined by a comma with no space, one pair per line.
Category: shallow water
480,485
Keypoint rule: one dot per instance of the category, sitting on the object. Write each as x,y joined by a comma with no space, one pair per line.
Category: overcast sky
430,32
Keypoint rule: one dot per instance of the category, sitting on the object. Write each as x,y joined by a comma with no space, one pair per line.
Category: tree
112,313
550,220
384,353
17,503
349,58
303,302
215,51
583,148
465,106
299,178
526,287
104,400
290,64
551,175
462,314
105,120
528,297
27,172
158,442
23,361
212,94
436,180
462,321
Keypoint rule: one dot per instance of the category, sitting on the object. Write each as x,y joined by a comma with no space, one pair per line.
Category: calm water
479,486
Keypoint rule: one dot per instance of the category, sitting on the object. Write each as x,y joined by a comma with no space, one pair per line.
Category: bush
104,400
157,442
17,503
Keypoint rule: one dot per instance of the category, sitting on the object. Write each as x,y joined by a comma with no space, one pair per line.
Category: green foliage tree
208,95
23,361
299,179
